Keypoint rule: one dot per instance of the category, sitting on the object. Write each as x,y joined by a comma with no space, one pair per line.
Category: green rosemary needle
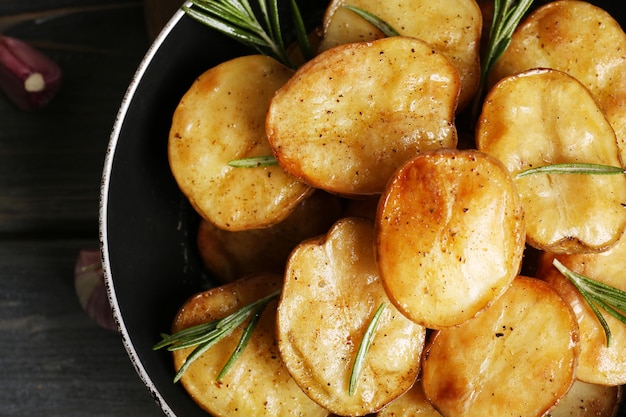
597,295
253,162
374,20
206,335
507,14
573,168
368,338
243,342
238,20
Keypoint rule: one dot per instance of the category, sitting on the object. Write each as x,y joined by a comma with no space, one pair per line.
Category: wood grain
55,361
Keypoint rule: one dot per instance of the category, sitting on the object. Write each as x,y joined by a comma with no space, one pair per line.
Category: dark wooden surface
55,361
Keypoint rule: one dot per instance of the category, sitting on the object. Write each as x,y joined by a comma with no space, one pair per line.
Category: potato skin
222,118
450,236
258,383
353,114
516,358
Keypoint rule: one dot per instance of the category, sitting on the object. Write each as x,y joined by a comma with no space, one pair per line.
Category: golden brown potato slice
528,120
331,292
232,255
450,236
219,119
582,40
453,28
516,358
589,400
258,383
412,404
598,363
355,113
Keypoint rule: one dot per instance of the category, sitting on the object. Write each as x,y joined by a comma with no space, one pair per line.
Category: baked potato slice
450,236
331,293
453,28
353,114
598,363
233,255
582,40
516,358
589,400
527,121
221,118
258,383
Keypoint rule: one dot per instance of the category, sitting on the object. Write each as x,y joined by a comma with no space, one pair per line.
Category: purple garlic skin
28,77
91,290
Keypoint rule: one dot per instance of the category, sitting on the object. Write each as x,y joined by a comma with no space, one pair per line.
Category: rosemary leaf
234,32
597,294
374,20
573,168
507,15
234,12
206,335
199,351
364,346
611,299
273,22
243,6
254,162
186,334
238,20
243,342
301,34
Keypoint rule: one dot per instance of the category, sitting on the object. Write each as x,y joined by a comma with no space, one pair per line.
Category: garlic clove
91,290
27,76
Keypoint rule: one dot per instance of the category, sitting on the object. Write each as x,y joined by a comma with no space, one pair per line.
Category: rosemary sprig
301,33
366,342
238,20
243,342
597,295
253,162
507,15
374,20
206,335
573,168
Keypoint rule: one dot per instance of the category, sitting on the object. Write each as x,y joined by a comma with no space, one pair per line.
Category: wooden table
55,361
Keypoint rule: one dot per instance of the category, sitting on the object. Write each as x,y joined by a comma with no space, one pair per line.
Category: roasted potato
233,255
331,292
598,363
589,400
516,358
450,236
219,119
353,114
582,40
528,121
453,28
258,383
